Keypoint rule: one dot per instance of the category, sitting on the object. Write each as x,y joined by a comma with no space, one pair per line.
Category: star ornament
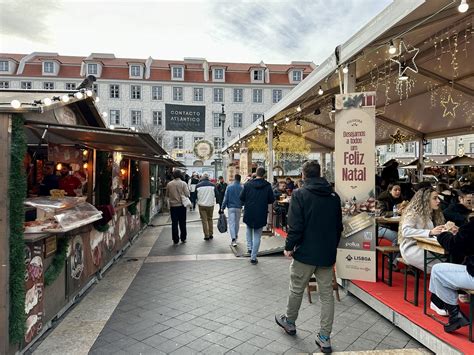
398,137
450,107
404,65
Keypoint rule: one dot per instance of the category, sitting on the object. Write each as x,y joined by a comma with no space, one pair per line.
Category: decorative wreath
196,152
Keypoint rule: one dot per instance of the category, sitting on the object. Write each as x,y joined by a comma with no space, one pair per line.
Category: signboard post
355,184
185,118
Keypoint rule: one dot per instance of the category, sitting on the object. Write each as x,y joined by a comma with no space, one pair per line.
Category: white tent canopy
435,102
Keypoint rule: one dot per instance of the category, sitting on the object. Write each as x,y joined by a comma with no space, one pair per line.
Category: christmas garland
145,218
58,262
17,194
195,150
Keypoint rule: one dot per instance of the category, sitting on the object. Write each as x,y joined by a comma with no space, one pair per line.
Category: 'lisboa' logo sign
203,149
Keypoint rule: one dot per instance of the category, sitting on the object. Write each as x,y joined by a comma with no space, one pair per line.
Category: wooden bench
416,274
387,253
313,286
471,310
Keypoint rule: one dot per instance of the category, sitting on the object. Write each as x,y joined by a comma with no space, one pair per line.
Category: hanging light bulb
47,101
320,91
15,104
89,93
298,108
85,166
463,6
392,49
65,98
275,124
345,70
59,166
78,95
287,119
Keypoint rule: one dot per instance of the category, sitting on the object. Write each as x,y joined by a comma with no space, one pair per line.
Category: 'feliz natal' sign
355,183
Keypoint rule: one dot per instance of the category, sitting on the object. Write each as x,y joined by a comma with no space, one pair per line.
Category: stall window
26,85
115,117
157,93
238,95
178,142
218,95
277,95
257,96
136,118
157,118
70,86
114,91
4,84
136,92
48,85
198,94
238,118
178,93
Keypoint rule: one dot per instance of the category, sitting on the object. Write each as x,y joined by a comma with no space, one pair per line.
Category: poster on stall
355,184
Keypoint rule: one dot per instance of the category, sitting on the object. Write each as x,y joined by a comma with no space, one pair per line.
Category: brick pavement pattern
228,307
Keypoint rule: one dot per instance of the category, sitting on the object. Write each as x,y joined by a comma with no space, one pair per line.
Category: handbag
186,201
222,223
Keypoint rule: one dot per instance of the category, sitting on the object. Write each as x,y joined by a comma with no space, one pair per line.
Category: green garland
133,208
58,263
101,227
145,218
17,193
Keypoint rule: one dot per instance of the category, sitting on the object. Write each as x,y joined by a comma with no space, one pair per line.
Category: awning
137,143
155,160
460,161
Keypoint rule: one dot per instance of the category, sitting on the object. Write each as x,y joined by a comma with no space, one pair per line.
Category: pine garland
58,263
145,218
17,193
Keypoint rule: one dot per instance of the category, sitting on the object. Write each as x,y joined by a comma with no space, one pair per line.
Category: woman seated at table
459,212
447,278
386,201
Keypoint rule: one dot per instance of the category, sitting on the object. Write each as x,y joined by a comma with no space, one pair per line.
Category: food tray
78,224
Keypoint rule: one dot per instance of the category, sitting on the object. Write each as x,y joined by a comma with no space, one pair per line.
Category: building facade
142,93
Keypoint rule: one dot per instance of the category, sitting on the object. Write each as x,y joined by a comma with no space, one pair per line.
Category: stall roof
418,111
141,144
465,160
156,159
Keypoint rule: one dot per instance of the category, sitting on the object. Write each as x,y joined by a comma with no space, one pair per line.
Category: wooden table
429,246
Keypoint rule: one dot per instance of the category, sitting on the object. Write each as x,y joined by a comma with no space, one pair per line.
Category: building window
218,142
48,67
4,65
135,70
257,96
26,85
258,75
157,118
157,93
216,119
177,73
92,69
70,86
114,90
4,84
238,95
218,95
136,118
409,147
218,74
95,89
178,142
277,95
428,147
197,138
256,116
471,147
391,148
177,93
48,85
297,74
115,117
238,118
198,94
136,92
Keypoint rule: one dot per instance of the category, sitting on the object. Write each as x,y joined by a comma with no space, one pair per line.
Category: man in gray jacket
175,190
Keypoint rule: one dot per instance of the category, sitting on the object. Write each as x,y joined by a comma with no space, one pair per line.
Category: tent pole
270,153
421,163
350,79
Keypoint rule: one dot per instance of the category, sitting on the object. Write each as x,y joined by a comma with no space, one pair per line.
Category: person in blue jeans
233,203
257,199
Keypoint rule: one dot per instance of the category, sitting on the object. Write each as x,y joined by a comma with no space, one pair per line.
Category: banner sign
185,118
355,184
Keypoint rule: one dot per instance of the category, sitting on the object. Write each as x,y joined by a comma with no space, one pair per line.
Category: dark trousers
193,199
178,216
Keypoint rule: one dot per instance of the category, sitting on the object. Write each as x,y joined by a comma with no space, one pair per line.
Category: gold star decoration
403,65
398,137
450,107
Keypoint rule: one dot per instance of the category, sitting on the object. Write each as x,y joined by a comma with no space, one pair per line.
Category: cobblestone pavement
198,298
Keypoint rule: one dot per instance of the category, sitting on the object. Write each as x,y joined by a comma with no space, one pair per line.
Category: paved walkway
199,298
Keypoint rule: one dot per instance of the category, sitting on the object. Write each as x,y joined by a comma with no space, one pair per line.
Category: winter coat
386,202
256,195
220,188
457,213
413,226
206,193
461,245
232,196
315,223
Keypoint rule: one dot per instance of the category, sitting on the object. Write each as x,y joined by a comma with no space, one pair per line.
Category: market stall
79,194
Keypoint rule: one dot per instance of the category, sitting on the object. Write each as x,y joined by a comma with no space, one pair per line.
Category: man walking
175,189
315,226
206,196
221,186
232,202
257,198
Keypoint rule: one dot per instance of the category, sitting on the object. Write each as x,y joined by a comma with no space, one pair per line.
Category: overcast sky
274,31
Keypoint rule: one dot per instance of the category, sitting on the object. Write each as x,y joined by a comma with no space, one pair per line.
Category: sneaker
254,262
324,343
287,325
234,243
211,237
439,311
464,298
183,241
175,243
206,238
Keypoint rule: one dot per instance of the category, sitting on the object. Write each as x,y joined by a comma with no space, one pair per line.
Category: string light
15,104
463,6
78,95
89,93
345,70
320,91
392,49
104,114
298,108
287,119
97,99
65,98
47,101
275,124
